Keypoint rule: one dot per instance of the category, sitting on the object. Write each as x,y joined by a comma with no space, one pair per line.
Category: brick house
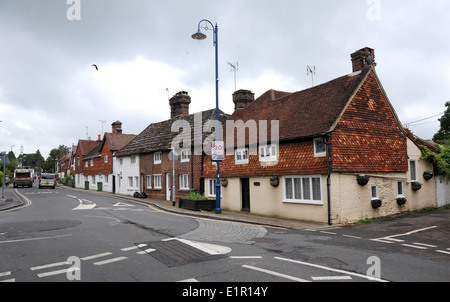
83,147
152,170
322,139
98,163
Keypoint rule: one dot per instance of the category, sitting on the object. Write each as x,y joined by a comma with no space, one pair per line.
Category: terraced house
144,164
97,164
328,136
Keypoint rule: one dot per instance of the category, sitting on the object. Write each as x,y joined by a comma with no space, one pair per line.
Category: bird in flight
95,66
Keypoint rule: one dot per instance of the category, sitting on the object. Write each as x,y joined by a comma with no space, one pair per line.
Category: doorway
168,186
245,189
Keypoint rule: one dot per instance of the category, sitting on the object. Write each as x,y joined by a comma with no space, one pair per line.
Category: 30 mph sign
218,151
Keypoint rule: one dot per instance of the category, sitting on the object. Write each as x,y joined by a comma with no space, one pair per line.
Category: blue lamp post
201,36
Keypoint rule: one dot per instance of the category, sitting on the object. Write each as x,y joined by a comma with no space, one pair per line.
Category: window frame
157,158
148,180
243,153
185,156
264,156
413,170
212,187
157,181
400,187
184,181
298,196
322,153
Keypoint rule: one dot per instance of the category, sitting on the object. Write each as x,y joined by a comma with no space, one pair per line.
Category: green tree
443,135
55,154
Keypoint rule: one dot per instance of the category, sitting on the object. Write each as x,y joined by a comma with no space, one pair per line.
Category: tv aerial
311,71
234,68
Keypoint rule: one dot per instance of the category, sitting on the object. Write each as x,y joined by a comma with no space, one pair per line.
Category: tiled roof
85,146
159,136
305,113
117,141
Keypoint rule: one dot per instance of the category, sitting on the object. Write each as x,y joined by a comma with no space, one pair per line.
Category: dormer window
320,149
157,157
268,153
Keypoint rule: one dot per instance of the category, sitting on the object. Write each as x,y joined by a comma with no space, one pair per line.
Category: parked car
47,180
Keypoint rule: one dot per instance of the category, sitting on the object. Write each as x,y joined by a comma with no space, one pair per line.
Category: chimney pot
242,98
116,127
179,104
363,58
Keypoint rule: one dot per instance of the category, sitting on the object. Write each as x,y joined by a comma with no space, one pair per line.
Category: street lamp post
201,36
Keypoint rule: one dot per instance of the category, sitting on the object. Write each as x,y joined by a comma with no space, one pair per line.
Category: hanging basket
362,179
401,201
274,181
415,185
376,203
427,175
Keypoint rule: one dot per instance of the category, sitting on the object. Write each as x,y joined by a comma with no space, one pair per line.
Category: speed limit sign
218,151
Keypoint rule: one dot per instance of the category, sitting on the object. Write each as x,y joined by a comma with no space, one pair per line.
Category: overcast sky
50,95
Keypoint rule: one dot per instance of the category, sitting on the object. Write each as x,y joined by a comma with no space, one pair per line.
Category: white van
47,180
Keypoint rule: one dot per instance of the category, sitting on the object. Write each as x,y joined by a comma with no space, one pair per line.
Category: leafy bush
194,195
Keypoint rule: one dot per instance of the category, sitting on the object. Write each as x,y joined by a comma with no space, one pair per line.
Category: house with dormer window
313,146
154,166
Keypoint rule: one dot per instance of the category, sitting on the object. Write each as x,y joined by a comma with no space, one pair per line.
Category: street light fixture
201,36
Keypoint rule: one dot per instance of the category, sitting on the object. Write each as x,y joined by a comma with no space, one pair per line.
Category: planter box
197,205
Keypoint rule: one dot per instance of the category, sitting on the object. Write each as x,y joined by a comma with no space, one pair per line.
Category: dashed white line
275,273
245,257
96,256
424,244
110,260
127,249
49,265
444,252
330,278
331,269
415,246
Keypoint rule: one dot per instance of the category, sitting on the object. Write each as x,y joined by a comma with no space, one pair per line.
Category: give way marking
84,204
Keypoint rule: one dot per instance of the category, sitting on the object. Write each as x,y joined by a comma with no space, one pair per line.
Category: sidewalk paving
226,215
11,201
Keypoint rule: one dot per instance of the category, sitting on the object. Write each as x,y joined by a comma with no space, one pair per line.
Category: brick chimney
242,98
363,58
179,104
116,127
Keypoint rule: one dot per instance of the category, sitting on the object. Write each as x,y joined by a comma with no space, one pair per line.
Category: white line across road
107,261
274,273
331,269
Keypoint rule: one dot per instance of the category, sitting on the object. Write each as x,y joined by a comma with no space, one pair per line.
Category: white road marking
415,246
331,269
5,274
245,257
275,273
444,252
145,251
424,244
110,260
126,249
48,265
33,239
123,204
329,278
96,256
62,271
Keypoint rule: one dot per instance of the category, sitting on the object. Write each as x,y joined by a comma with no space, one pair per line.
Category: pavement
11,201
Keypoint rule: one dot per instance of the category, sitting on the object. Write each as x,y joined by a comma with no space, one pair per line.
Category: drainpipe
329,167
